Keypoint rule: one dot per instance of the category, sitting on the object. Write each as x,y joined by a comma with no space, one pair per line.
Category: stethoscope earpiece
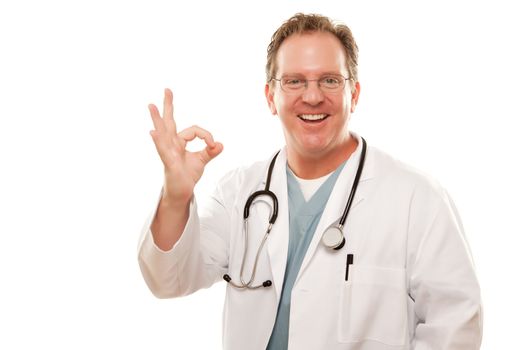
267,283
228,279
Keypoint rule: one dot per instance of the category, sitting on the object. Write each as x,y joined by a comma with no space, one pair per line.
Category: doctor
360,251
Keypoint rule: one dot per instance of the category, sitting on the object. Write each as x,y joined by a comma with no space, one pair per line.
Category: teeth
312,116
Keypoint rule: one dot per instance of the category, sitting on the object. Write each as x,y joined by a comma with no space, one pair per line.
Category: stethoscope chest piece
334,238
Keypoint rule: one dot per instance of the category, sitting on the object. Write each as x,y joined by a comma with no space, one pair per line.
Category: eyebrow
302,75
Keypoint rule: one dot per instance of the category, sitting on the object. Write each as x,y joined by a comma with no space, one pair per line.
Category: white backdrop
442,89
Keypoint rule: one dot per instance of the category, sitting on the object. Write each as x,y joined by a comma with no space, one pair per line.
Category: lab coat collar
339,196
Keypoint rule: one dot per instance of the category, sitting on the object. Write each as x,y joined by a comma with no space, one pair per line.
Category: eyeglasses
327,83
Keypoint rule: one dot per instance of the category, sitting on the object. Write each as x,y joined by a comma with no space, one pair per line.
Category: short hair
302,23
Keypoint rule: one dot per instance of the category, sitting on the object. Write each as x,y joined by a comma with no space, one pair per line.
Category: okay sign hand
182,168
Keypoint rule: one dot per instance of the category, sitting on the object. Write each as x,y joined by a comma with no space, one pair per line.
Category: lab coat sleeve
197,260
442,280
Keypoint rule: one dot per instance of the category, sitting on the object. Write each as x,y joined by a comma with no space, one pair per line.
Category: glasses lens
327,83
292,83
332,82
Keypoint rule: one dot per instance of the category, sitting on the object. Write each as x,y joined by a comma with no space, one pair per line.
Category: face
311,56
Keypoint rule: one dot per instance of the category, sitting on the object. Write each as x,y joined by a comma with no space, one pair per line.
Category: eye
293,82
330,81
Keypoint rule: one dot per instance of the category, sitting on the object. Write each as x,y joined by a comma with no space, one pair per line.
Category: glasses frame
324,90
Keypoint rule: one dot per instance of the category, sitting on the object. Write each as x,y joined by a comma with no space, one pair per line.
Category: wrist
177,203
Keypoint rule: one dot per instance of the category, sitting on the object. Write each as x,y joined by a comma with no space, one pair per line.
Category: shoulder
396,174
244,179
254,172
401,188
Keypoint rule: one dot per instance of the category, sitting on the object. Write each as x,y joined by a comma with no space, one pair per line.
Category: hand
182,169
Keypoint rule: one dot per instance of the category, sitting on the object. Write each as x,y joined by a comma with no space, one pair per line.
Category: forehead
310,54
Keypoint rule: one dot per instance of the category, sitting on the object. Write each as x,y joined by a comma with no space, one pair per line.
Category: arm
443,283
197,260
182,170
171,237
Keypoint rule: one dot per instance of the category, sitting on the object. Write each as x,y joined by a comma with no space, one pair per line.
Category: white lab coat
412,284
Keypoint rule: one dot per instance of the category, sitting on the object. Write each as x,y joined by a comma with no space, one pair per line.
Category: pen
349,261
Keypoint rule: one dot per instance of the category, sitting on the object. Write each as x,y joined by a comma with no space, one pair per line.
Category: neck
313,166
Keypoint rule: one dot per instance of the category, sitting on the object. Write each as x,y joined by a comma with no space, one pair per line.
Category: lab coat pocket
374,306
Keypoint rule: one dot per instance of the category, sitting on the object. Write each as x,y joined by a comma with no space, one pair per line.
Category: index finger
155,117
189,134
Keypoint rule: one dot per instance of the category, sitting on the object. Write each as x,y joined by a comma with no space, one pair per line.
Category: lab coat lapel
337,201
278,238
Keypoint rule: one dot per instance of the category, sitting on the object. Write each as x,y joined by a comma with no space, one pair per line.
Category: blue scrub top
304,217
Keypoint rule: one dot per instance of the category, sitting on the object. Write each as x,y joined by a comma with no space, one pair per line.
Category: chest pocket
373,306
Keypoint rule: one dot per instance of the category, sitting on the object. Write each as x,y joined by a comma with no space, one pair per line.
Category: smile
313,117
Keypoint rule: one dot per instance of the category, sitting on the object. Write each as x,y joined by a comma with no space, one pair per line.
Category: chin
313,148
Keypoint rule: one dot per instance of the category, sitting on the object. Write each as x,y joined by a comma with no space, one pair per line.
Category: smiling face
315,123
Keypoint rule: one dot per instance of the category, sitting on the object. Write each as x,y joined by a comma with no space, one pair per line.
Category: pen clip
349,261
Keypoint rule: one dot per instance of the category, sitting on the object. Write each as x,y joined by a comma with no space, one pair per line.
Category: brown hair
301,23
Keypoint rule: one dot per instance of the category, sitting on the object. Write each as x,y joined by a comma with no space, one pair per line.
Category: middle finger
167,113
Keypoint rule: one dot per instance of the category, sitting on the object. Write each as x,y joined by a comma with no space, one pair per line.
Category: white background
442,89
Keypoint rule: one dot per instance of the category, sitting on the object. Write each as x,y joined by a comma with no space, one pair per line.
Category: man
361,251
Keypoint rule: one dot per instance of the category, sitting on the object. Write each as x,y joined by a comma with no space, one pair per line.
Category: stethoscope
333,237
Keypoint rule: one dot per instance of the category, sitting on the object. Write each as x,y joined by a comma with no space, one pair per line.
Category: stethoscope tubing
354,185
266,192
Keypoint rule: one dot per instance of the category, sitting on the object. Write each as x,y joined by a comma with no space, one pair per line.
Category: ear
355,96
268,91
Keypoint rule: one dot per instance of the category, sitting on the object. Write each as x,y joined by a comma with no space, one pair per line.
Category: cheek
282,104
349,108
348,104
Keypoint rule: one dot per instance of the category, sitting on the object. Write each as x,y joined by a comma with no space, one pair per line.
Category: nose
312,94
